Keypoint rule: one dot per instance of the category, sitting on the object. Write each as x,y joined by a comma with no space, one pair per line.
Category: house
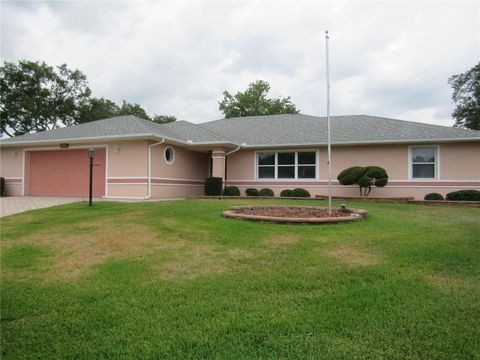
139,159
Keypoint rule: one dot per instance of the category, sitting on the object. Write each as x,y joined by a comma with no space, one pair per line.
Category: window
287,165
424,162
169,155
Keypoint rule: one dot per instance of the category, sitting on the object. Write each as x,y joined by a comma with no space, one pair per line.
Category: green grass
176,280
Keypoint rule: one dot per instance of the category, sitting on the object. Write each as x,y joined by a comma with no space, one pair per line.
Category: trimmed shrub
266,192
364,177
231,191
433,196
351,175
287,193
251,192
213,186
2,186
464,195
300,193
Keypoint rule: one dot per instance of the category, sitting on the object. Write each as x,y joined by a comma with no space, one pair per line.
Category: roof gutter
149,165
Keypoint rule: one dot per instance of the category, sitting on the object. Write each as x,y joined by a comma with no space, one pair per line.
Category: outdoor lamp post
91,156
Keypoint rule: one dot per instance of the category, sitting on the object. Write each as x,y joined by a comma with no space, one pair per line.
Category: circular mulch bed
294,214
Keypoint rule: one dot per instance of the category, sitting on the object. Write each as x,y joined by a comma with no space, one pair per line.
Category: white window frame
436,163
295,151
165,155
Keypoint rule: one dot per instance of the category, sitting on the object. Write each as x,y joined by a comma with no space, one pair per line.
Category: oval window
169,155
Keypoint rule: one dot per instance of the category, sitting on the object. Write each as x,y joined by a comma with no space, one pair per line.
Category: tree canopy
254,101
37,97
466,96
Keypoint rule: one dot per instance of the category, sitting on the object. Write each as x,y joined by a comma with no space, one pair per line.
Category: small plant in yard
2,186
287,193
213,186
231,191
301,193
251,192
464,195
364,177
433,196
266,192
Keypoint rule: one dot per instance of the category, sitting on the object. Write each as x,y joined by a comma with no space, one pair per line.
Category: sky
390,59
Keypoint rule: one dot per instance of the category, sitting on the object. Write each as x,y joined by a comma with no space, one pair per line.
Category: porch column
218,162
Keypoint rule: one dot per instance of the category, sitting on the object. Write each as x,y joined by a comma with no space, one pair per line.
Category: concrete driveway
17,204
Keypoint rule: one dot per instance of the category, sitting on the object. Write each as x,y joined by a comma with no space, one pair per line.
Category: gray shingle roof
298,129
122,126
257,131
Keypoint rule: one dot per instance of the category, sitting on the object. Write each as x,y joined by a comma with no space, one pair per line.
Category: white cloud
388,58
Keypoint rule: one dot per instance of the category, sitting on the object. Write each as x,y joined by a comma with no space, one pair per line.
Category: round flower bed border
249,213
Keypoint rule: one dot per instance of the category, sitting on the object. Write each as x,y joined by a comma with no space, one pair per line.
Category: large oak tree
254,101
466,96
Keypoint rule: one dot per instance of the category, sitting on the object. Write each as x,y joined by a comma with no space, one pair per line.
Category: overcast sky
388,59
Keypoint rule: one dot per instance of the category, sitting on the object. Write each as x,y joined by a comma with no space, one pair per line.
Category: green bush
351,175
464,195
251,192
2,186
213,186
433,196
266,192
364,177
231,191
300,193
287,193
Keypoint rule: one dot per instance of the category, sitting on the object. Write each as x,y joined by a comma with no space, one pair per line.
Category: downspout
149,170
226,154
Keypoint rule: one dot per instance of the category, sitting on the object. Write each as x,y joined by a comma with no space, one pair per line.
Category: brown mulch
291,212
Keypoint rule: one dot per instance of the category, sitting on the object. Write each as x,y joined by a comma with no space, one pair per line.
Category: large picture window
424,162
287,165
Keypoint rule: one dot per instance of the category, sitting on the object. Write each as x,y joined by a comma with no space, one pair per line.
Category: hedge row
461,195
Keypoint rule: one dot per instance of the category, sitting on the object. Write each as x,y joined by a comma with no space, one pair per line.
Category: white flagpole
329,145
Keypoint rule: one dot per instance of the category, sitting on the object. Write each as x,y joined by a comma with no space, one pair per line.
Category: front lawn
176,280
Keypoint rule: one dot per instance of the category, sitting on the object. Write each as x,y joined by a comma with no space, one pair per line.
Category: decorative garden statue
364,177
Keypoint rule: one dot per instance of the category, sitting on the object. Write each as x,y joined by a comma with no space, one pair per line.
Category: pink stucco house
140,159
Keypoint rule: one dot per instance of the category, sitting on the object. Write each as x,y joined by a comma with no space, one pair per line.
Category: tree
37,97
133,109
466,96
364,177
96,109
163,119
254,101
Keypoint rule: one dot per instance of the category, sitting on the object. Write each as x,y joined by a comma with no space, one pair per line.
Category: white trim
128,177
325,180
436,163
164,178
145,183
218,157
157,184
295,151
356,187
165,155
13,178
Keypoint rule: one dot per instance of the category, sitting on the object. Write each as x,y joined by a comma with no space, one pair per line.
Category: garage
65,173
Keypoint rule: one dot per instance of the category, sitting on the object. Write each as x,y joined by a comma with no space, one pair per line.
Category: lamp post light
91,156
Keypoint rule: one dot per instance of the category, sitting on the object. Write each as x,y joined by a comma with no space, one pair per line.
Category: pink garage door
66,173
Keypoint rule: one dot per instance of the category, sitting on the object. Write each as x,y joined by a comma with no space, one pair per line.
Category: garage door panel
66,173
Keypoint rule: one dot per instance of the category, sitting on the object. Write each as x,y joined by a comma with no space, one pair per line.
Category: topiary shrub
213,186
266,192
433,196
231,191
364,177
251,192
2,186
300,193
287,193
464,195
